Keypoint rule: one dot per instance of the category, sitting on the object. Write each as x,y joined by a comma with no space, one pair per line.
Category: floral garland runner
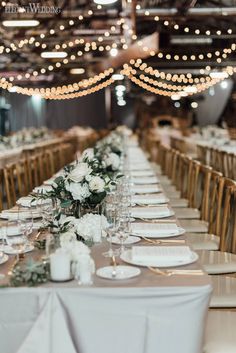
82,186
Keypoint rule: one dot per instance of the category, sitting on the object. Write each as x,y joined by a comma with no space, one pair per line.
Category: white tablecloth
146,314
103,320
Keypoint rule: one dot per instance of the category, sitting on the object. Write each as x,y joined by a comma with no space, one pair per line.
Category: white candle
60,266
85,270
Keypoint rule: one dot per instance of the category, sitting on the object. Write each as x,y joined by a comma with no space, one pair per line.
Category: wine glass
111,227
16,242
124,231
26,224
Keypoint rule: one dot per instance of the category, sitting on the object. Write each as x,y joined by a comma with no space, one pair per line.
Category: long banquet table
146,314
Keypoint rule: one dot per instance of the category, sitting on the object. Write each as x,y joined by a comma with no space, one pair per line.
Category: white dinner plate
127,257
10,251
122,272
3,259
130,240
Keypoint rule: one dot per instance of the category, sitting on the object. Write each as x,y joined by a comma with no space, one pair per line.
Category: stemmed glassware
124,231
110,213
17,242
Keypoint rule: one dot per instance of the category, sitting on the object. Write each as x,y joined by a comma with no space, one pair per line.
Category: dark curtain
33,111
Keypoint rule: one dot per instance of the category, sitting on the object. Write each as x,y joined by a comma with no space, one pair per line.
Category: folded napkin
14,215
162,254
29,201
145,180
10,230
150,212
154,229
140,166
150,199
145,189
141,173
42,189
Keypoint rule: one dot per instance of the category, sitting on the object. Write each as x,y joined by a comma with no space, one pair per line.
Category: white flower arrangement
74,247
91,227
25,136
87,181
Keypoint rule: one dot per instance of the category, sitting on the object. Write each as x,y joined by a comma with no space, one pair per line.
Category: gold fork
168,273
180,241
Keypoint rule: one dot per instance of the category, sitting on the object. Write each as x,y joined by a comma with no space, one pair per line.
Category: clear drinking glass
124,231
111,228
16,242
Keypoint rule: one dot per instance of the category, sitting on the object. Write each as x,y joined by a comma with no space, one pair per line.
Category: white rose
78,192
88,153
88,177
80,171
97,184
113,161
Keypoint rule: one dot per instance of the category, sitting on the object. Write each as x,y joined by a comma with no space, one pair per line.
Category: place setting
151,213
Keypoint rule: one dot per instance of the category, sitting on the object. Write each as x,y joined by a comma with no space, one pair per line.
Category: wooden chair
222,222
16,182
230,165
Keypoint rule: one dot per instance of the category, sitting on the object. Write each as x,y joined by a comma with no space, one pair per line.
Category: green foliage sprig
31,273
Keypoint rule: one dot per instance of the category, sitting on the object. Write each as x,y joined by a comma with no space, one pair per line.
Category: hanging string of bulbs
59,90
168,76
170,90
73,90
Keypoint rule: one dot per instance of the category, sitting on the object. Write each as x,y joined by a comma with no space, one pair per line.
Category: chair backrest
15,180
228,211
215,202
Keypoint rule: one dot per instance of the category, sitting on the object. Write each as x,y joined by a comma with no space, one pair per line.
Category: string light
168,76
63,89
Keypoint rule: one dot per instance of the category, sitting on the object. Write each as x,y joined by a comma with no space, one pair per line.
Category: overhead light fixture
20,23
119,93
177,104
113,52
224,84
53,54
179,40
117,77
12,89
194,105
218,74
175,97
120,88
77,71
104,2
121,103
191,89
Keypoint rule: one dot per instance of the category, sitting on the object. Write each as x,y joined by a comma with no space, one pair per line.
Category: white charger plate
4,259
144,180
127,257
122,272
157,236
10,251
130,240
